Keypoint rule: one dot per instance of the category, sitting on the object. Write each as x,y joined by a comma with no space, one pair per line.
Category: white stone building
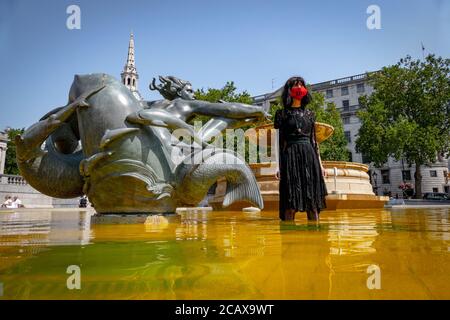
344,93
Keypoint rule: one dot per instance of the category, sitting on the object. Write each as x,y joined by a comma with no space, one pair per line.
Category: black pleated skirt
302,186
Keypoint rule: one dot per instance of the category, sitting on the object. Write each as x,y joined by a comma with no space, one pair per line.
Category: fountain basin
348,183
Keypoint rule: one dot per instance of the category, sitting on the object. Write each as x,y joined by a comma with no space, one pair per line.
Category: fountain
348,183
121,152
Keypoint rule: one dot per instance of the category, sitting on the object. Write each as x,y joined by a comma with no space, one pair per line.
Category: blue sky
207,42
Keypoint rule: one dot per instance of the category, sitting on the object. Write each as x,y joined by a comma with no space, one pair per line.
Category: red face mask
298,92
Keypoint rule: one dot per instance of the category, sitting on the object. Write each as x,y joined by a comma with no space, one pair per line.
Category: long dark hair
285,96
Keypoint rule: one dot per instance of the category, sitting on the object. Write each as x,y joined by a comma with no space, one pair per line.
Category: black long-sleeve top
295,124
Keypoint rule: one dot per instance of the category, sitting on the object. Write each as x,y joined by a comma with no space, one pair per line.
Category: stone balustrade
15,185
12,179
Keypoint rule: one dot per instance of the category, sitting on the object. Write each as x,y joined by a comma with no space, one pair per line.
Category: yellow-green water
228,255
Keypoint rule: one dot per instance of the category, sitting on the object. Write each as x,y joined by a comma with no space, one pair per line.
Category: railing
339,81
349,109
12,179
315,86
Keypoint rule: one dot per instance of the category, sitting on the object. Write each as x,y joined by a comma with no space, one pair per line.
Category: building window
346,120
447,189
344,91
406,175
360,88
134,82
385,177
346,105
435,190
329,93
350,156
433,173
348,136
365,158
128,81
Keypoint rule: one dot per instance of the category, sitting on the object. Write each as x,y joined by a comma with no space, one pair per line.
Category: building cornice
358,78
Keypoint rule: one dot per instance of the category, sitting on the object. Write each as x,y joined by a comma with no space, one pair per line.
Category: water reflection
43,227
193,226
428,226
156,223
355,232
245,255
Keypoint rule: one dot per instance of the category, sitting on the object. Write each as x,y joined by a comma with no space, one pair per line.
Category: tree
10,160
226,93
335,147
408,115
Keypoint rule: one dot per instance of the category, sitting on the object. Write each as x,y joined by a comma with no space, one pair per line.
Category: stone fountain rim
328,164
346,165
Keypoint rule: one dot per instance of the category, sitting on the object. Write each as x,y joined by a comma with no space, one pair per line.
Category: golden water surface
353,254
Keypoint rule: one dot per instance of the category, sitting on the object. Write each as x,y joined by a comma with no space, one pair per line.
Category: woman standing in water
302,186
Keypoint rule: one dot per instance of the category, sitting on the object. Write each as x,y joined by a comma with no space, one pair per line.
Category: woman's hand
263,116
324,172
277,175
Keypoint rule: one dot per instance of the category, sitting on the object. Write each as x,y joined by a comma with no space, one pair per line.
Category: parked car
439,196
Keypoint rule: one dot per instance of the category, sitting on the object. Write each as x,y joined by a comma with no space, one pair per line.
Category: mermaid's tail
196,175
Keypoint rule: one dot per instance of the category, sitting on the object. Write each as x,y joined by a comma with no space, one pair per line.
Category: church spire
129,75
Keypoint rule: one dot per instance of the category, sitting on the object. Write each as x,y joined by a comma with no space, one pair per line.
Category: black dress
302,186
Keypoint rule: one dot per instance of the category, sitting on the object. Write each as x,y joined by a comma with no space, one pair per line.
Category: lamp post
374,179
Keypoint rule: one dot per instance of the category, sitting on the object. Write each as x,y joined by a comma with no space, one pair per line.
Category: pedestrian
7,203
83,202
17,203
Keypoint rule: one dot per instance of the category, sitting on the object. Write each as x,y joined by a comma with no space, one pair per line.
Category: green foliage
10,161
227,93
335,147
408,115
278,105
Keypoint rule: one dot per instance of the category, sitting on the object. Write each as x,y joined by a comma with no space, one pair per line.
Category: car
439,196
